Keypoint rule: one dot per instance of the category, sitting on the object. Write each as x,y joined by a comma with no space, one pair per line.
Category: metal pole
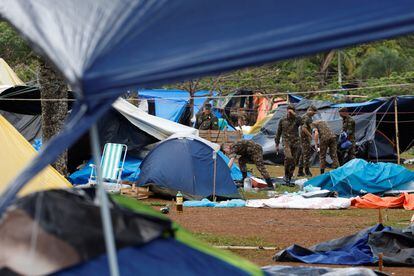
397,136
103,204
214,174
339,68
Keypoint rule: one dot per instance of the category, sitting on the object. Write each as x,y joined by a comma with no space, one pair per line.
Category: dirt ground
280,228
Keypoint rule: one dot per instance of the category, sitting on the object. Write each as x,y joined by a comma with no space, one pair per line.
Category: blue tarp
350,250
159,257
186,165
360,177
130,173
105,47
233,203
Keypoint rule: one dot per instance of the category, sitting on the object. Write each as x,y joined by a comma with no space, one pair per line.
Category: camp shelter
69,240
7,76
374,122
185,163
15,153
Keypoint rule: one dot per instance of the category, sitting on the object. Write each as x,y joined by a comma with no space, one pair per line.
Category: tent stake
103,204
397,137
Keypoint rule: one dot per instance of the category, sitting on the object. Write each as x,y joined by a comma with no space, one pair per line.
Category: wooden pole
380,220
380,262
397,137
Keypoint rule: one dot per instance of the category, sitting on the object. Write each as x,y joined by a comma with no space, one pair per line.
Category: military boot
269,183
300,172
322,171
308,172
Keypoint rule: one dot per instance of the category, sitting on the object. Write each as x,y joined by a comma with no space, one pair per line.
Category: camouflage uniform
206,121
348,126
306,142
250,152
288,129
327,140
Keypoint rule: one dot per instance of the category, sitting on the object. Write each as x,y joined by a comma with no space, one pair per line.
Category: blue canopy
186,165
105,47
360,177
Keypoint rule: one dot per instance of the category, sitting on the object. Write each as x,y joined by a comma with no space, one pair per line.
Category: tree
54,112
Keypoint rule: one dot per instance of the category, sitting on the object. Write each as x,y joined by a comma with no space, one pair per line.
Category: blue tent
103,48
360,177
186,165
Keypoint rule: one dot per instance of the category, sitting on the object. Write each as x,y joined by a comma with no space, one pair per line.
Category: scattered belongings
362,248
69,240
300,202
221,204
371,201
136,192
282,270
359,177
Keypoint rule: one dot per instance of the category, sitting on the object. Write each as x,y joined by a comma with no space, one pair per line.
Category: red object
258,183
371,201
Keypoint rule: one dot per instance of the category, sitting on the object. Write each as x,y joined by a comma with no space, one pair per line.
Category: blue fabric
130,173
236,174
159,257
186,165
104,48
222,204
37,144
359,177
352,250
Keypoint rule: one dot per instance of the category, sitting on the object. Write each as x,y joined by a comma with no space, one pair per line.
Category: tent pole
104,206
397,137
214,174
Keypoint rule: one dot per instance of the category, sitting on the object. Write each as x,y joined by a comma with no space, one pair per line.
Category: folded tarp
222,204
299,202
283,270
130,172
358,177
350,250
371,201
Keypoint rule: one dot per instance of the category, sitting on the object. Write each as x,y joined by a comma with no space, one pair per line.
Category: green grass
219,240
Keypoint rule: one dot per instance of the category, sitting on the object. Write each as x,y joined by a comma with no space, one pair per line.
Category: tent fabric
371,201
186,165
283,270
70,235
350,250
15,153
30,126
103,48
358,177
7,76
300,202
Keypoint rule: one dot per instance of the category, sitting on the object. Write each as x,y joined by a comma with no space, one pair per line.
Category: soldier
248,151
288,129
348,127
206,120
306,141
325,139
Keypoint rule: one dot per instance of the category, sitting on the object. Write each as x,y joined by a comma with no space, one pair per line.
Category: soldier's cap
207,106
313,108
343,109
291,106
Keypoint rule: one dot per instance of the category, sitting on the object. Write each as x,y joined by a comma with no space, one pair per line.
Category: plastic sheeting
300,202
221,204
282,270
15,153
105,47
360,177
371,201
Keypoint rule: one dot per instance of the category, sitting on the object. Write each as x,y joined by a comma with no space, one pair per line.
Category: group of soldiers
297,134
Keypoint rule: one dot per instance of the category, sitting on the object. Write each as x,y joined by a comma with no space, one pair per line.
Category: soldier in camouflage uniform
306,141
249,152
325,139
348,127
288,129
206,120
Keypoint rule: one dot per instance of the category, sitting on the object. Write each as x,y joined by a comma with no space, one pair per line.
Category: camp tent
7,76
375,128
185,163
15,153
69,240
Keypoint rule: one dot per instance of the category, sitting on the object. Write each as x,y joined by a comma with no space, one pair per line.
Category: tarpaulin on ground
350,250
233,203
300,202
129,173
360,177
371,201
104,48
282,270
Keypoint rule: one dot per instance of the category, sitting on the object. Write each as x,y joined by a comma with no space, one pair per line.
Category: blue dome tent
186,164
